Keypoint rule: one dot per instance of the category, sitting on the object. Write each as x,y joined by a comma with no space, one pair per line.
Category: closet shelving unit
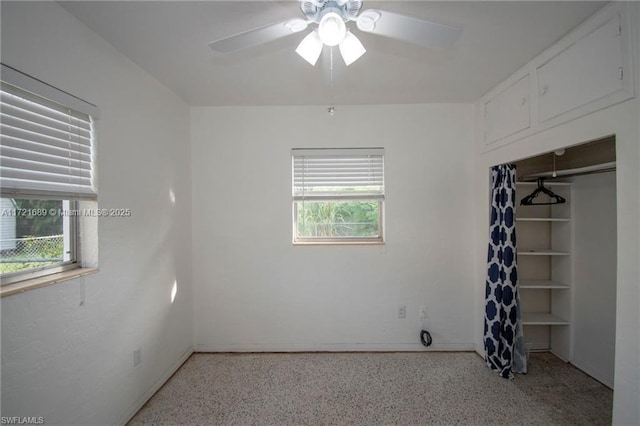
545,269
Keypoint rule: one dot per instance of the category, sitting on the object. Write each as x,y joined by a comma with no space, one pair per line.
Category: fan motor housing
314,9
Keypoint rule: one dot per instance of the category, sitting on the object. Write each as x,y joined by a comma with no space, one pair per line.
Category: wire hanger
555,198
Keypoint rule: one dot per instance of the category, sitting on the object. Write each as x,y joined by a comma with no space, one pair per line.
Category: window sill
33,283
338,243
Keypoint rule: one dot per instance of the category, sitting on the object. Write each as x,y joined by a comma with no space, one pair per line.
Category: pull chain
332,108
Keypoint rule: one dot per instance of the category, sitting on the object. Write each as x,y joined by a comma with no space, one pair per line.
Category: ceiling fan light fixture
332,29
310,48
351,48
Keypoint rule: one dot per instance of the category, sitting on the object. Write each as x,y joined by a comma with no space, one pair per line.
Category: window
338,195
37,236
46,170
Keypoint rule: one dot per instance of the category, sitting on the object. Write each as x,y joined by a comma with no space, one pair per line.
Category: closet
566,238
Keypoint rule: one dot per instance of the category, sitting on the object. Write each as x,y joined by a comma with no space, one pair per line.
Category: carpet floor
374,389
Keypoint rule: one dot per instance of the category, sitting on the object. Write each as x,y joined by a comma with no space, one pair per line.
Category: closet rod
589,170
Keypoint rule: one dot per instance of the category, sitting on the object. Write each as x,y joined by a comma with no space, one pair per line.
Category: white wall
72,362
255,291
594,311
622,120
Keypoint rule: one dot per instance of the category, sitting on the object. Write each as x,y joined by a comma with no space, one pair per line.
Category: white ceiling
169,40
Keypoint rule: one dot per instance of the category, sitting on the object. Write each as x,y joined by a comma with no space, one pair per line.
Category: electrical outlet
137,357
402,311
422,312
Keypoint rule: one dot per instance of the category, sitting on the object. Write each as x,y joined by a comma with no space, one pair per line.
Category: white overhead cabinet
508,112
597,58
586,71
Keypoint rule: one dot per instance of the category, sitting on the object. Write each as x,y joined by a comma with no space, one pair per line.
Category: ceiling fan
332,17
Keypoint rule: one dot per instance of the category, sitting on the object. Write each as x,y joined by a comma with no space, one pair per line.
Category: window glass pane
338,219
34,234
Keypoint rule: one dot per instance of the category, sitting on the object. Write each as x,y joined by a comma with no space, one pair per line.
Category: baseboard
137,405
335,347
594,372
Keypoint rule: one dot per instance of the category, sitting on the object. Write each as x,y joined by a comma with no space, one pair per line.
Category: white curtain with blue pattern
503,338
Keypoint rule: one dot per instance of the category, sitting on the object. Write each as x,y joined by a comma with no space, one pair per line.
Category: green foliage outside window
38,226
39,240
338,218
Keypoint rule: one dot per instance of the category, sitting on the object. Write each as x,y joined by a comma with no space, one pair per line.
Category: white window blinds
354,173
46,149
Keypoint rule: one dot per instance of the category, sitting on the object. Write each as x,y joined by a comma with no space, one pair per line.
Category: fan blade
407,28
258,36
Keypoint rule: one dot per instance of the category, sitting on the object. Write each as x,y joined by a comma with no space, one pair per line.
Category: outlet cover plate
402,311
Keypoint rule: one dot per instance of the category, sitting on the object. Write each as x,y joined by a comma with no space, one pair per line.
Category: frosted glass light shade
310,48
332,29
351,48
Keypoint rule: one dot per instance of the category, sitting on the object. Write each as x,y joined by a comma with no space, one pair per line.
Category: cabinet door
586,71
508,112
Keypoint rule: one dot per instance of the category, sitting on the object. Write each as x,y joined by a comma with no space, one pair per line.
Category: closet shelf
604,167
542,219
544,284
535,184
543,252
542,318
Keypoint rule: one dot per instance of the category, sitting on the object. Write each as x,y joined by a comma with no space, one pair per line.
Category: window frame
66,265
338,196
48,96
340,240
